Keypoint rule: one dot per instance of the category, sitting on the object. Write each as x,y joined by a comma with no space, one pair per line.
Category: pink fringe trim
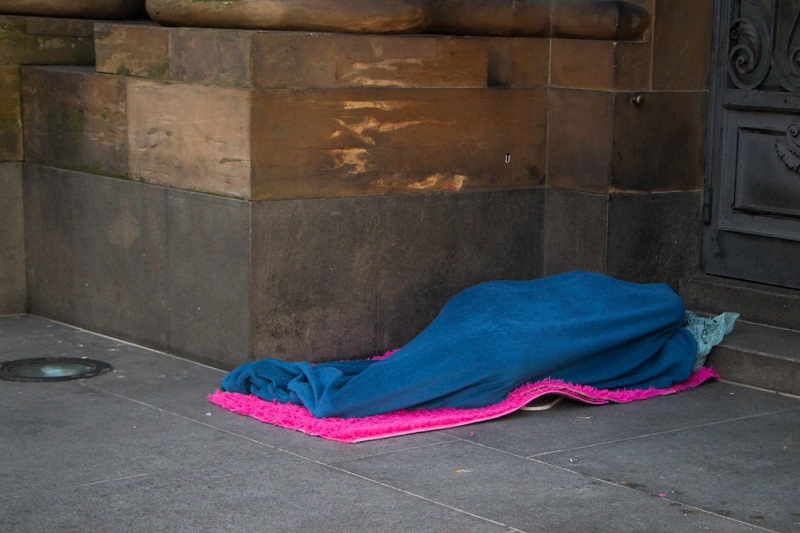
414,421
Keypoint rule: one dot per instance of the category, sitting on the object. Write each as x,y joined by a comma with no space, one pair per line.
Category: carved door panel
753,199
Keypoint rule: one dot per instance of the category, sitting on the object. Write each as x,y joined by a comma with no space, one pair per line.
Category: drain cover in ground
52,369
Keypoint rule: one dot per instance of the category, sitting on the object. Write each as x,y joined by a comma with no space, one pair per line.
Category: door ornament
764,45
789,149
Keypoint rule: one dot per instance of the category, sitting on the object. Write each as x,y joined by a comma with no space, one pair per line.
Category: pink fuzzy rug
405,422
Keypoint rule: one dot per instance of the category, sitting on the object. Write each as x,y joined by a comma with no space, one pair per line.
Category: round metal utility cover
52,369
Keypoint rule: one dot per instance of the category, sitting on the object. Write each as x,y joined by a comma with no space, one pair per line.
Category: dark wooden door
752,210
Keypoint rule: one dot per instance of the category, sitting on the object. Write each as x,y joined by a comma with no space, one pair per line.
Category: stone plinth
307,116
305,195
225,280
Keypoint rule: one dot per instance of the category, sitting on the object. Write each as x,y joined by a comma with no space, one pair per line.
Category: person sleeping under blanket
579,327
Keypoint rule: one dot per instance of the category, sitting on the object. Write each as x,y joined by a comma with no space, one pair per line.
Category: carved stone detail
789,149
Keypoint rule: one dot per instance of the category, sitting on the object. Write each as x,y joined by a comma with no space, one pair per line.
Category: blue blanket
579,327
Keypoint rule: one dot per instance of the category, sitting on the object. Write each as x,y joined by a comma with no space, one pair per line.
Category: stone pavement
139,449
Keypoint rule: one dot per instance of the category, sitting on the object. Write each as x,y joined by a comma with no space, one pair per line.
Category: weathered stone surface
96,253
12,241
576,231
602,140
315,267
165,268
278,144
75,119
82,9
208,243
13,40
10,114
490,17
682,37
641,237
364,16
223,281
584,19
654,237
580,139
350,277
590,19
31,41
518,62
190,136
279,59
599,19
322,143
213,56
592,64
434,245
45,41
352,142
646,147
132,49
322,60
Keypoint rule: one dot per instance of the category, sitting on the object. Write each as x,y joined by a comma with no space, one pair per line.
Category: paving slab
528,494
171,384
573,425
140,449
228,490
745,469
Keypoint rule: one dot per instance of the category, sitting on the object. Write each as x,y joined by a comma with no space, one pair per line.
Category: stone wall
26,41
626,148
227,194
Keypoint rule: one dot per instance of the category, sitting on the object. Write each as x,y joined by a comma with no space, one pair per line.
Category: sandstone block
212,56
279,144
75,119
81,9
352,142
518,61
281,59
132,50
490,17
590,19
327,60
611,65
190,136
45,41
580,139
10,115
359,16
